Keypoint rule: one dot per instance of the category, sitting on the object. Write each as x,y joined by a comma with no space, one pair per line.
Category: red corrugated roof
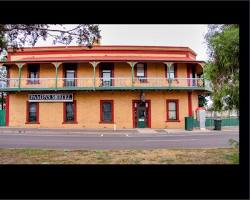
102,53
105,47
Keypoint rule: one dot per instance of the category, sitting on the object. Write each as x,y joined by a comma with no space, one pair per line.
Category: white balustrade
102,82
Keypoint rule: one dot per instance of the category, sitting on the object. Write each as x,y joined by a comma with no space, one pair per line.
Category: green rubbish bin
217,124
189,123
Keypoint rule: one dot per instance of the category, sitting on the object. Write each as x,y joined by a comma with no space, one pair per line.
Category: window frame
175,70
107,66
145,72
101,111
29,73
27,113
70,66
176,101
74,113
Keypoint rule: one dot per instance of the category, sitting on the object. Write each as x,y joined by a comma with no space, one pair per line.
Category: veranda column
94,64
203,79
132,65
169,64
20,65
56,64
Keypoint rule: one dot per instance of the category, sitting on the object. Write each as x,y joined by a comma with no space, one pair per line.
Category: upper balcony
103,68
90,83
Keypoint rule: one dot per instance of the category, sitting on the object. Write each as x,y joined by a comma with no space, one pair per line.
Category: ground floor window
172,110
32,112
106,111
70,112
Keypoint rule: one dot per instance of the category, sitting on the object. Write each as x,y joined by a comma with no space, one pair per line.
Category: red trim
7,109
109,59
133,112
108,48
112,111
177,110
190,113
99,51
27,113
74,112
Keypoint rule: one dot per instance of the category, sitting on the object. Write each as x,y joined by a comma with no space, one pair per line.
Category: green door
2,118
142,116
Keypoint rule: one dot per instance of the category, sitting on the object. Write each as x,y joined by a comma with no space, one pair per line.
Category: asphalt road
117,141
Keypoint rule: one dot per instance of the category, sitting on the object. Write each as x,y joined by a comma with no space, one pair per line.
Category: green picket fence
2,118
232,121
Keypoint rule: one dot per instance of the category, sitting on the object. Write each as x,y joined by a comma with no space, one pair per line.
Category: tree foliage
18,35
223,65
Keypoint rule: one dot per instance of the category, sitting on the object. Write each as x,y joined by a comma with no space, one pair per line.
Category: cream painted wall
88,109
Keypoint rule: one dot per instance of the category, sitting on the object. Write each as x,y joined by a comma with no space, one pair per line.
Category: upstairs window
70,74
106,71
172,71
33,73
141,71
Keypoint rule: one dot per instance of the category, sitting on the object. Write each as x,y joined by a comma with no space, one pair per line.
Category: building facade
102,86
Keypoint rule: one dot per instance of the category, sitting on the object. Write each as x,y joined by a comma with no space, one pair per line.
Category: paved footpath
109,139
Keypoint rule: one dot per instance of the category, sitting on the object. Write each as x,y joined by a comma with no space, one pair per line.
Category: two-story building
102,86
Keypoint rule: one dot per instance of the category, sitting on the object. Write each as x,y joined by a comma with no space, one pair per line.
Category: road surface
98,140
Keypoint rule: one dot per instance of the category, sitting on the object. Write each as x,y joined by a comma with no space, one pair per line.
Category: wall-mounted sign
51,97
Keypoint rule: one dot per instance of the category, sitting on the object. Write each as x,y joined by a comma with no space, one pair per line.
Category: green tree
19,35
223,65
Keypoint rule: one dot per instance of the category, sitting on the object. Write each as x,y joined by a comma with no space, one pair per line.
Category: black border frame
145,181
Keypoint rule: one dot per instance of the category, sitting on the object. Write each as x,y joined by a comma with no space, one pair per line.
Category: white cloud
163,35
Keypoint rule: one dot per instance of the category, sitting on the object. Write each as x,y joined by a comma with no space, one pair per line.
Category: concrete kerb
8,130
61,131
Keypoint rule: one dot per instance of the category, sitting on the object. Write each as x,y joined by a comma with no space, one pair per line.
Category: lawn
155,156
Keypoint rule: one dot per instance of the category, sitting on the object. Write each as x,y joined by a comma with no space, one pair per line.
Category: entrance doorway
141,114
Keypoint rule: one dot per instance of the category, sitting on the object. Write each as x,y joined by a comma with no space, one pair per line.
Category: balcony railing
102,83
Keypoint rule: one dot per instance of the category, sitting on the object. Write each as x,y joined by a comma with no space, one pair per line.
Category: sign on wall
67,97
